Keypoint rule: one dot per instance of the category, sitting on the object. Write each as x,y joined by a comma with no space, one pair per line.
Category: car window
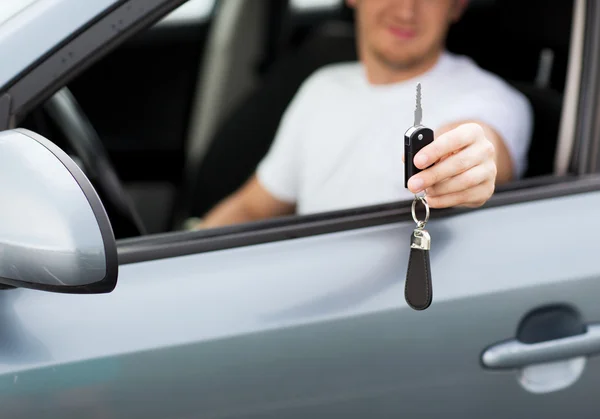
10,8
158,77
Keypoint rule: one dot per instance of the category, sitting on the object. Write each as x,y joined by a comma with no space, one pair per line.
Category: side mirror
54,232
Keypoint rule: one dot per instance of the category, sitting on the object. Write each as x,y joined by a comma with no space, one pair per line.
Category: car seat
491,32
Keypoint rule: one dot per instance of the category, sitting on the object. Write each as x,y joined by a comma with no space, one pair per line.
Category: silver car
111,309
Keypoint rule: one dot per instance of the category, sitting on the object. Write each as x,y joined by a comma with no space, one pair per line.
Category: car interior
185,110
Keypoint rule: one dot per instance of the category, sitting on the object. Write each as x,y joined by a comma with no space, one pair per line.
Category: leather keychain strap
418,289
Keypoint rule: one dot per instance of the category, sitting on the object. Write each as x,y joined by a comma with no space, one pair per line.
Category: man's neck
380,73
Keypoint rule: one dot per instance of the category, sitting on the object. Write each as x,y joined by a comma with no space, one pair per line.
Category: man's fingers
470,198
469,179
447,143
452,166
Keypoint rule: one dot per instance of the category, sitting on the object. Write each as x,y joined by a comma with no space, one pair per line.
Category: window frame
48,75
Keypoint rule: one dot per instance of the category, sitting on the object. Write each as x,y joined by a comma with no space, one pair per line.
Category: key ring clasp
423,199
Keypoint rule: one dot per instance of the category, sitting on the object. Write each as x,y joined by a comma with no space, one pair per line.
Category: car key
415,138
418,290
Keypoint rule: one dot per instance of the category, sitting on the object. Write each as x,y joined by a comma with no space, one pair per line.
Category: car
120,119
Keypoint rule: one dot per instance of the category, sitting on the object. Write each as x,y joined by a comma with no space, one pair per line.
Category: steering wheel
66,113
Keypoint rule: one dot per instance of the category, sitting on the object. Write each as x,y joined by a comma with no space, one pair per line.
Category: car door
317,326
305,316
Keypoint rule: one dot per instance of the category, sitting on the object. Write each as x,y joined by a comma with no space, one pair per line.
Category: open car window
156,74
330,39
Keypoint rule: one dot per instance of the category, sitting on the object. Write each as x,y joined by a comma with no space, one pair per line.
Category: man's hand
465,167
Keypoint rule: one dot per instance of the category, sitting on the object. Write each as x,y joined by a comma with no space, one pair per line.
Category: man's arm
251,202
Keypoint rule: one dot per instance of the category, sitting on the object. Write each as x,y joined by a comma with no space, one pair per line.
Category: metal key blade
418,110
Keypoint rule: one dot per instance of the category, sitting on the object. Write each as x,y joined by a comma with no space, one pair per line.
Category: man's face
404,33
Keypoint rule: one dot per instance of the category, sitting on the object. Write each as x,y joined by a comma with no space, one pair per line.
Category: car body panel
311,327
11,8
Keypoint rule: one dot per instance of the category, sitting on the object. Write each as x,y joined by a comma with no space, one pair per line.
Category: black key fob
415,139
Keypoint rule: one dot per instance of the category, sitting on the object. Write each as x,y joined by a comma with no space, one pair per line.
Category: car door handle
516,354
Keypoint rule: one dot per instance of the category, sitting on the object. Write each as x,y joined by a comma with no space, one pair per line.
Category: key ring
423,199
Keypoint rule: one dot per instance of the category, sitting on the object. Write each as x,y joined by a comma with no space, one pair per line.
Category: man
340,142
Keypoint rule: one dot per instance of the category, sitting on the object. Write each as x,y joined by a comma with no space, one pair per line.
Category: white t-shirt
340,142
